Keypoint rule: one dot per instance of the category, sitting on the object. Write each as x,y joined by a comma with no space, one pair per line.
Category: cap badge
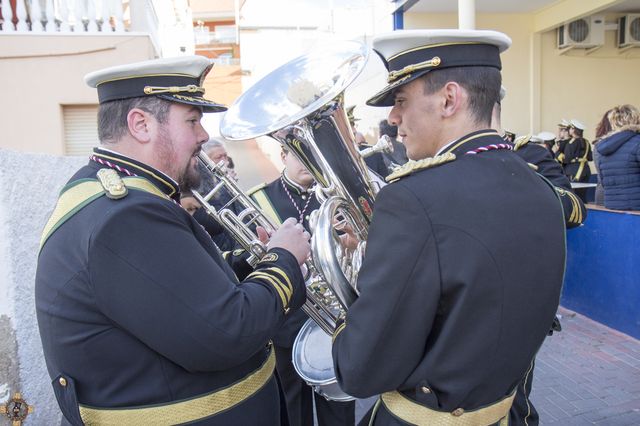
154,90
431,63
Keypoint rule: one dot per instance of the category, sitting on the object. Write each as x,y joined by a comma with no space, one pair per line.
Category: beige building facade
46,48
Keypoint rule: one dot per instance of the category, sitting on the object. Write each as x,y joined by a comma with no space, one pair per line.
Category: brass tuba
301,106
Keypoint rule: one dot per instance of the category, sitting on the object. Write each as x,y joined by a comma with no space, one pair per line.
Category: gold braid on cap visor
431,63
154,90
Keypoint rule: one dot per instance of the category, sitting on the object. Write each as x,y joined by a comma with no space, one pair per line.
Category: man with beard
141,319
448,321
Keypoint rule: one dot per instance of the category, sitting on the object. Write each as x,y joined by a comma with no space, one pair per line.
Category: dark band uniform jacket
459,286
464,263
544,164
577,154
141,319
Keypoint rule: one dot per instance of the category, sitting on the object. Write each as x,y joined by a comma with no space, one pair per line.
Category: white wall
29,186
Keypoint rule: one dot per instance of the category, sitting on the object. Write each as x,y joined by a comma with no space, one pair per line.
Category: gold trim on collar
154,90
174,188
431,63
431,46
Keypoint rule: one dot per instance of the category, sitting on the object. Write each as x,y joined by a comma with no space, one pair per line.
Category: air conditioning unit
629,30
584,33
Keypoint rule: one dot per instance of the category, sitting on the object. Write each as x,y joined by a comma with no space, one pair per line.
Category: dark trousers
522,411
299,398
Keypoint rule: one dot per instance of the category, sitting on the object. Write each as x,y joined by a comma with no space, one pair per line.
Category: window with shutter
80,129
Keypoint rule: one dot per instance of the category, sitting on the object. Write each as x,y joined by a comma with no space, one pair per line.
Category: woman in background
619,159
602,129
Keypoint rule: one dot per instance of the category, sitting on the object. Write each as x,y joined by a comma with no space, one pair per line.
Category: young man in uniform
449,319
561,140
577,154
141,319
291,195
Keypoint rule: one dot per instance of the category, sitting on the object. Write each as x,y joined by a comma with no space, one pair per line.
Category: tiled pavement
586,374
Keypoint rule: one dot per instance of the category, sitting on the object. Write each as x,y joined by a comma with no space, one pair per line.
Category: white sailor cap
546,136
177,79
564,123
409,54
576,124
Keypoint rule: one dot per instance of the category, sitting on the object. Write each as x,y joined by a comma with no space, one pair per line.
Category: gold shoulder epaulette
112,183
412,166
521,141
256,188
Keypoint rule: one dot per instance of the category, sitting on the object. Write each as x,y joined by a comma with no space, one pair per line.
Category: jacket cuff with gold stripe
279,271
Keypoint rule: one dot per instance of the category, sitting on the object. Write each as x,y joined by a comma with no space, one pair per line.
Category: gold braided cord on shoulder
412,166
419,415
521,141
185,411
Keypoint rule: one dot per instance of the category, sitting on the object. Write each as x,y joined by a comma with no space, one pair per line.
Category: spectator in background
547,139
619,159
603,128
375,161
216,151
189,202
399,155
509,136
561,140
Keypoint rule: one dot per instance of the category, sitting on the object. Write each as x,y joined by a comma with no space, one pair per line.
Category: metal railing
63,16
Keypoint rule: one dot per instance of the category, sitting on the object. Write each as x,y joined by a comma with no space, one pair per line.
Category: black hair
482,84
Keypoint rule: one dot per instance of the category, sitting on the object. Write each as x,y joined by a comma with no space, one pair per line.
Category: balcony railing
63,16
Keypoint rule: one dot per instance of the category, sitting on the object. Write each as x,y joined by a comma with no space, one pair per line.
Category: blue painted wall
603,270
